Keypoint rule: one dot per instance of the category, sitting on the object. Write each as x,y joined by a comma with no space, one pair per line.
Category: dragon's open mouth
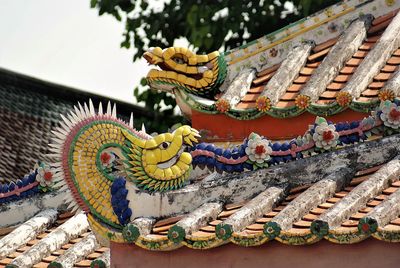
163,67
181,67
171,162
149,59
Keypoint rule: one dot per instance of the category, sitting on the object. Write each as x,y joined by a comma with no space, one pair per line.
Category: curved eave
351,235
300,231
188,100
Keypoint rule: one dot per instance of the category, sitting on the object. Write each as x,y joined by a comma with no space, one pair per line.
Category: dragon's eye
164,145
178,60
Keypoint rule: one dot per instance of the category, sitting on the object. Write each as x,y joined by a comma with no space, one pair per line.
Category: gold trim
103,231
344,12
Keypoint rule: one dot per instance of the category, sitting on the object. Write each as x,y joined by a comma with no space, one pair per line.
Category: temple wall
370,253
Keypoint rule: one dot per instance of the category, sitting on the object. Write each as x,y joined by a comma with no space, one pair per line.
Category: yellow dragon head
160,163
182,69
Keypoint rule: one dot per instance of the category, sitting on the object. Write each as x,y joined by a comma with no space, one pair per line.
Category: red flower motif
48,176
105,158
390,114
260,149
44,175
327,135
394,114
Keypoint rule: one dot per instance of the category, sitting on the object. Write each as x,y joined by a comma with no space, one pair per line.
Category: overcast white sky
66,42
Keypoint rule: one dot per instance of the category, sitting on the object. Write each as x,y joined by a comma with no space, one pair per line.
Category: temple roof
368,205
340,209
342,57
52,237
313,63
297,200
30,109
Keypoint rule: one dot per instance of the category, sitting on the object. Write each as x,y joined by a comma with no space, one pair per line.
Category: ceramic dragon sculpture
200,75
116,173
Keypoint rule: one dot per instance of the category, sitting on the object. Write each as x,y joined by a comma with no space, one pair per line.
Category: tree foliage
208,25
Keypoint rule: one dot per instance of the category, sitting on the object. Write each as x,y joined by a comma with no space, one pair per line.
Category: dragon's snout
153,55
151,58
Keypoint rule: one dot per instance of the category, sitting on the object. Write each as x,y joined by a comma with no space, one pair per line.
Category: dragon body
95,149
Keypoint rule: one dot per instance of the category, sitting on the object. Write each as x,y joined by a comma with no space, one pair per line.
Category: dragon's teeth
202,69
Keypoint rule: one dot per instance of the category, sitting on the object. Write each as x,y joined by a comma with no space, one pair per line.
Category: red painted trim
220,127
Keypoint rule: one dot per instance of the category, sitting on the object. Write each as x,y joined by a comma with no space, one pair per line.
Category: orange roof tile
347,226
318,54
62,217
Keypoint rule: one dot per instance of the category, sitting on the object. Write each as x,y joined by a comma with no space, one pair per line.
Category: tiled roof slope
29,110
319,52
366,206
355,70
42,229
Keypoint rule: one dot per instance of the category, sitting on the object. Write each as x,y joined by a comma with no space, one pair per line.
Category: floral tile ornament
107,159
325,135
258,150
263,104
222,106
130,233
45,176
389,114
386,94
343,98
302,101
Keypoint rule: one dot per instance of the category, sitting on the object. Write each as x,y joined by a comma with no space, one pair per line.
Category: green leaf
93,3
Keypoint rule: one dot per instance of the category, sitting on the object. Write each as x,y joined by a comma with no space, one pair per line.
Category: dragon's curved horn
139,142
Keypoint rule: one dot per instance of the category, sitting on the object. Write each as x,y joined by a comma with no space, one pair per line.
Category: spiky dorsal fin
72,125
